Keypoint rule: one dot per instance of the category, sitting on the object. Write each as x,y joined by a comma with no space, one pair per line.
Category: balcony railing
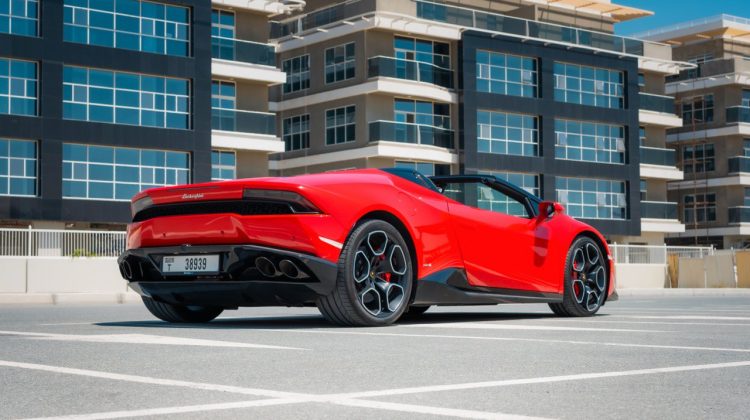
243,121
658,210
738,114
528,29
658,156
656,103
411,133
739,214
739,164
322,17
243,51
409,70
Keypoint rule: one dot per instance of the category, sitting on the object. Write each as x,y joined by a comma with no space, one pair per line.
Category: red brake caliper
386,276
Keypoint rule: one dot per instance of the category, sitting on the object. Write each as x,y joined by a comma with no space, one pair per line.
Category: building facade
101,99
541,94
104,99
713,143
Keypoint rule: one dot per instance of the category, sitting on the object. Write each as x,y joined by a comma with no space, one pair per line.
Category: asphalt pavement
679,357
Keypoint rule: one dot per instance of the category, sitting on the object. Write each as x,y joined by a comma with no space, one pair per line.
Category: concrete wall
61,275
742,259
709,271
640,276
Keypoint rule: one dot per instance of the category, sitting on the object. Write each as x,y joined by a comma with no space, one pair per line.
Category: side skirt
451,287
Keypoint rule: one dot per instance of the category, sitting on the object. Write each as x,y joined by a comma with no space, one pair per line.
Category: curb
68,298
683,292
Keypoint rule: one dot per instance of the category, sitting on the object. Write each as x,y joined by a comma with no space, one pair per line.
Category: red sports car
364,246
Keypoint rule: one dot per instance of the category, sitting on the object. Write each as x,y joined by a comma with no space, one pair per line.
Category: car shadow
317,321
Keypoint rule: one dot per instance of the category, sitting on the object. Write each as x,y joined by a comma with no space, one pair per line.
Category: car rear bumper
239,281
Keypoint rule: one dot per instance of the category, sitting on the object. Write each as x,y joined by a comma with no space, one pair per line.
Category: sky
667,12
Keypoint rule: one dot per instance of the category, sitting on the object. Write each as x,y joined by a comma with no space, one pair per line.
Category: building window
698,59
296,132
18,167
507,134
641,80
643,189
506,74
422,112
118,173
745,97
19,17
746,147
425,168
423,51
589,86
297,71
18,87
589,142
125,98
340,63
340,125
222,23
700,208
698,158
223,94
591,198
746,203
223,165
128,24
698,109
641,136
504,204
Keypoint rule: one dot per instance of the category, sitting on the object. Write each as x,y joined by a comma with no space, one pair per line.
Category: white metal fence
655,254
60,243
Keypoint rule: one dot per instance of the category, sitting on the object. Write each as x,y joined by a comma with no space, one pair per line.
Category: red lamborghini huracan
365,246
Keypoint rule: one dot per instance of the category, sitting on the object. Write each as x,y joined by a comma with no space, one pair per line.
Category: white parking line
347,399
533,340
174,410
152,381
690,317
141,339
610,321
424,409
542,380
492,326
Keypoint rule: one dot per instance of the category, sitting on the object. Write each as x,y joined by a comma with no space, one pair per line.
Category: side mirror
550,208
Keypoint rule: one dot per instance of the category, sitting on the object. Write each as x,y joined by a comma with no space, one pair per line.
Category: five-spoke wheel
585,280
374,280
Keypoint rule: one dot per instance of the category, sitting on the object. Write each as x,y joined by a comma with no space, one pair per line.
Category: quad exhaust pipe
285,267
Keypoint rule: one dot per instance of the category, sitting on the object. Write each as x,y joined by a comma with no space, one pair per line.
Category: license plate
188,264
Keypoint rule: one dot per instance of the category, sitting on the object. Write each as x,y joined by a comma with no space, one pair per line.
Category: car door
498,235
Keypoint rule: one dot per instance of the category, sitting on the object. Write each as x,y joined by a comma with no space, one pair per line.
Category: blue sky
672,11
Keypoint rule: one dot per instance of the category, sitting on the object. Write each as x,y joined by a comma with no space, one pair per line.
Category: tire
374,278
585,287
181,314
415,312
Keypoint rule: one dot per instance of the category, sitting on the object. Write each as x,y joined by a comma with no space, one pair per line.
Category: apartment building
713,143
538,92
101,99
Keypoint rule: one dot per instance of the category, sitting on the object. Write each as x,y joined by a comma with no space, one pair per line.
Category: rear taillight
297,202
140,204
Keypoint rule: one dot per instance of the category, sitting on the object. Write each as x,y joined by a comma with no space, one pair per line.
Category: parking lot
642,357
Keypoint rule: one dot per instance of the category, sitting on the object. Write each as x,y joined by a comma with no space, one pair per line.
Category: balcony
245,60
411,133
739,214
738,114
658,156
532,29
658,210
409,70
739,164
656,103
321,17
246,130
244,51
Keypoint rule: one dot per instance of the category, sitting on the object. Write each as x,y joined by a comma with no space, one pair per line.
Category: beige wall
251,164
251,96
639,276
